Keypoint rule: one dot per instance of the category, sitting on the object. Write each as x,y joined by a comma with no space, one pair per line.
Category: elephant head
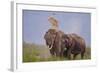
50,37
66,40
53,41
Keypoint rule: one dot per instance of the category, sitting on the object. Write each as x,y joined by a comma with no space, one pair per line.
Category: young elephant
75,45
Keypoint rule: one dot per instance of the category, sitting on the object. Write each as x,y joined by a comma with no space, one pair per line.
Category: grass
39,53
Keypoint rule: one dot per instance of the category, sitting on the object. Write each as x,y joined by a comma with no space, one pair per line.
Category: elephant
53,41
63,45
74,45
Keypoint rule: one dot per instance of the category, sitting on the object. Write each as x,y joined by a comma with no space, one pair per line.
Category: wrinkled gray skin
75,45
53,41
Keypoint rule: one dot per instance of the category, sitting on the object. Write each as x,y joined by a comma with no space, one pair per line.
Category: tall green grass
39,53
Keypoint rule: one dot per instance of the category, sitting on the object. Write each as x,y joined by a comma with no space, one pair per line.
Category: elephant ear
69,40
58,38
45,36
51,34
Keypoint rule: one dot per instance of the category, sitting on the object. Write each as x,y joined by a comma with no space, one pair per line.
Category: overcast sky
35,24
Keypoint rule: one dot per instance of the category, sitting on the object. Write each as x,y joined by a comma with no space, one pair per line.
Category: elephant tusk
50,47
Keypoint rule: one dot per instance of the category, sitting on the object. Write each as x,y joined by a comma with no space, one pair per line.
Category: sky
35,24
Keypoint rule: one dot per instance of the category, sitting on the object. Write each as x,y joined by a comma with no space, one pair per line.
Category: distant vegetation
38,53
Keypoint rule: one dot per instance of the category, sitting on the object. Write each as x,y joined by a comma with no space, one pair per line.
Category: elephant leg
74,56
61,54
52,52
69,54
57,53
82,55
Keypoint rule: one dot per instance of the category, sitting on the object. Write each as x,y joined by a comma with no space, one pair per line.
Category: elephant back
78,40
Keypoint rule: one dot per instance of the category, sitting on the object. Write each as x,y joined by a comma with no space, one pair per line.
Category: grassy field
39,53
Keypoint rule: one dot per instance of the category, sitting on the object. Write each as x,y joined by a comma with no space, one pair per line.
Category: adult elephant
75,45
53,41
